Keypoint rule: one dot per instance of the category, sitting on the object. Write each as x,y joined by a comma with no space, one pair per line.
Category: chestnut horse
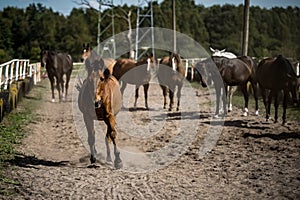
87,53
234,72
171,74
276,74
57,65
100,98
127,71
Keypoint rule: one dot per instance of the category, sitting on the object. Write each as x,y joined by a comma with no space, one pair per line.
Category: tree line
272,31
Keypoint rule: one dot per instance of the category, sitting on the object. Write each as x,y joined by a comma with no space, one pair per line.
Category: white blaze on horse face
173,64
148,64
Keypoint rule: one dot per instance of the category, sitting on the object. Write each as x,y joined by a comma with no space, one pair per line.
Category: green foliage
272,31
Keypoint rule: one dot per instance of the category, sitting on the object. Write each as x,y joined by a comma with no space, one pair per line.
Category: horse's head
175,61
44,57
86,52
97,73
149,60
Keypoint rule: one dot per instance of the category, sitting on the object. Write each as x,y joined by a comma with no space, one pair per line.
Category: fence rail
16,79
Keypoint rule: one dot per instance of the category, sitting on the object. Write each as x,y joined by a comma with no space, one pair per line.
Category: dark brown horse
234,72
127,71
57,65
277,74
100,98
171,74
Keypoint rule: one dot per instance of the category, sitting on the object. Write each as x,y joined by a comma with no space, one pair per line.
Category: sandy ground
177,155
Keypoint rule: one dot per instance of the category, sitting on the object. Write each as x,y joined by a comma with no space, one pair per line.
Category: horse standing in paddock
276,74
230,89
171,74
137,73
57,65
234,72
100,98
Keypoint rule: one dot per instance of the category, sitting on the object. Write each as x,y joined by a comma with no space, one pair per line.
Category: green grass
11,134
292,113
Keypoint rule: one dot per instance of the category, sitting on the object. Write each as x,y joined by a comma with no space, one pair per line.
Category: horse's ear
222,51
83,45
88,45
211,49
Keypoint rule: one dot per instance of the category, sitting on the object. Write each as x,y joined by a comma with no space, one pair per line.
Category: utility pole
174,26
246,28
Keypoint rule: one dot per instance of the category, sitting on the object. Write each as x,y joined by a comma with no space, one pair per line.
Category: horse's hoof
52,100
93,159
245,114
256,113
118,164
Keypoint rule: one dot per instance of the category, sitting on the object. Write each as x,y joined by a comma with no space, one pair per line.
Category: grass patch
292,112
11,134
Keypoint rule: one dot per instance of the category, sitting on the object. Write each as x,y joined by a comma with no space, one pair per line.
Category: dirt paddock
250,160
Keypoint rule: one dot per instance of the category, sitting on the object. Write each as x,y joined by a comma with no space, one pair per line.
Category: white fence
18,69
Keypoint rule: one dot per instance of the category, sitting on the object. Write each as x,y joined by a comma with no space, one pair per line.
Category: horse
100,99
276,74
231,89
57,65
171,73
234,72
127,71
87,52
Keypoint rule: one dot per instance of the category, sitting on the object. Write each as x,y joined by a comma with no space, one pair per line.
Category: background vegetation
272,31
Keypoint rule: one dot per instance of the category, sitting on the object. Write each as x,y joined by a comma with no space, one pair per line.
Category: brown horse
137,73
57,65
234,72
171,74
92,55
276,74
100,98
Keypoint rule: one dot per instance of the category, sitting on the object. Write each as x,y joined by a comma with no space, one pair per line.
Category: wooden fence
16,79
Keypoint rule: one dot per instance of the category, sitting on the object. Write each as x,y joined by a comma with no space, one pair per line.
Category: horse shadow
274,136
178,115
26,161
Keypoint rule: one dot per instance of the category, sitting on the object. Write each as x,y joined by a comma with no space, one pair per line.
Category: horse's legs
230,98
146,87
51,78
179,96
284,105
246,98
58,82
112,134
165,91
89,123
268,108
276,106
254,87
171,97
122,90
68,76
136,95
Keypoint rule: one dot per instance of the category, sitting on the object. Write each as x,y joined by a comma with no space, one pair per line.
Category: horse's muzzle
98,104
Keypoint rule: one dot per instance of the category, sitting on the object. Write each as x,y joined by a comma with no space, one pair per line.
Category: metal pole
174,26
246,28
99,29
